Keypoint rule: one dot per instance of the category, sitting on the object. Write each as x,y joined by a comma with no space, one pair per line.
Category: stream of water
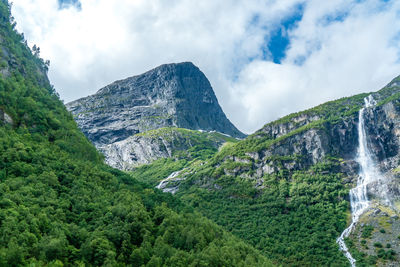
368,173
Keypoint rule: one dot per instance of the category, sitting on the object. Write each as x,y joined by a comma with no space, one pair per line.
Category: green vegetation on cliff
60,205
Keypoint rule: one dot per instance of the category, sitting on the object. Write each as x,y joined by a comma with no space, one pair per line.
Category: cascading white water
368,173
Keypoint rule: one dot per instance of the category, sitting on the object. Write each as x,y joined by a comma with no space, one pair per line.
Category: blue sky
69,3
277,43
264,58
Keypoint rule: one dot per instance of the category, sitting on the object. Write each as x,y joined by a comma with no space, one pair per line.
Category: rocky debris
376,212
5,118
171,95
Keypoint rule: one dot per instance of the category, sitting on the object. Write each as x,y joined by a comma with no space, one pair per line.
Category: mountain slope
285,188
60,205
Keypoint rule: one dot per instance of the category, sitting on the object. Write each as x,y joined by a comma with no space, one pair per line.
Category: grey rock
5,118
376,212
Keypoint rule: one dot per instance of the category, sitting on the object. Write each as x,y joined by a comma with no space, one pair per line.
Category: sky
264,58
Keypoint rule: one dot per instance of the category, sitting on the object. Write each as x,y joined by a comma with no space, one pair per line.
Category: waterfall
368,173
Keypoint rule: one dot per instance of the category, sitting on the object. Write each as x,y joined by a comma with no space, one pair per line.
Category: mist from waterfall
368,173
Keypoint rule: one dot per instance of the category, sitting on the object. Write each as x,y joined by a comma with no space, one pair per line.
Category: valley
287,188
149,171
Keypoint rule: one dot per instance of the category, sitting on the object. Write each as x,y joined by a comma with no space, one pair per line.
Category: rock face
172,95
383,126
296,146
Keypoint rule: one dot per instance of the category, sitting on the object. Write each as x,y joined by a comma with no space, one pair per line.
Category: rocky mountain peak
171,95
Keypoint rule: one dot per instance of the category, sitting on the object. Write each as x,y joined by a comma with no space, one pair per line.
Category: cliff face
383,126
308,147
173,95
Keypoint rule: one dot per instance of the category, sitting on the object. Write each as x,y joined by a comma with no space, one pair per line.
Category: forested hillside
61,205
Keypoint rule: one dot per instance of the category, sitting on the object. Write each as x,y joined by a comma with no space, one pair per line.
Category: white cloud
347,57
110,40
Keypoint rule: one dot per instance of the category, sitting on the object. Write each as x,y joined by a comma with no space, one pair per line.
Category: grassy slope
59,204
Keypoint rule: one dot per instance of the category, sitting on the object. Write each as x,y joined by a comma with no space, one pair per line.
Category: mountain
319,187
171,95
285,188
60,205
